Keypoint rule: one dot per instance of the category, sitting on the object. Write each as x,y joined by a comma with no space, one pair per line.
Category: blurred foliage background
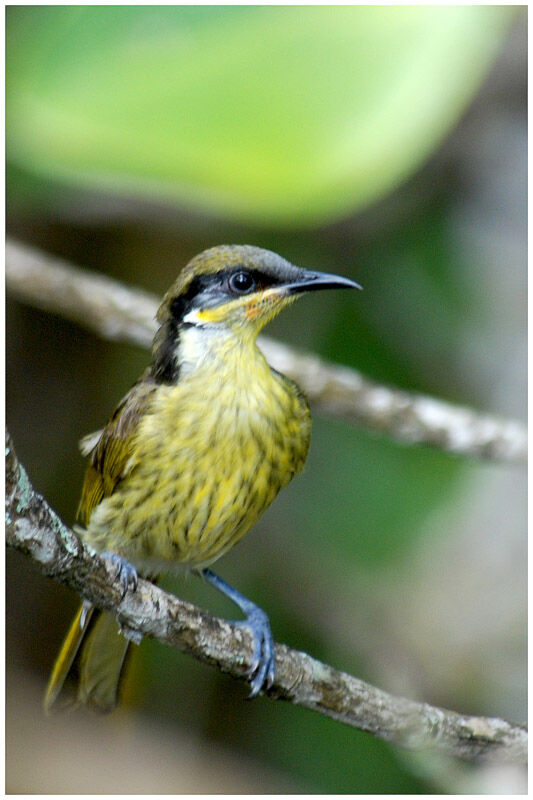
387,144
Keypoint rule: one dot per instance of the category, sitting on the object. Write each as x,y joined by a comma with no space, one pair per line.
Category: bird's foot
124,571
261,670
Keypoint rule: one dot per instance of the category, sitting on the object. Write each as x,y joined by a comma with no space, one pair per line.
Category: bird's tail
91,663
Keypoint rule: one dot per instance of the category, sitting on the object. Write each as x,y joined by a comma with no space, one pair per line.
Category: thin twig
123,313
35,529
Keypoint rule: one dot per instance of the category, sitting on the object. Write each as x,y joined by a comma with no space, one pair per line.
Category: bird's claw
261,670
124,571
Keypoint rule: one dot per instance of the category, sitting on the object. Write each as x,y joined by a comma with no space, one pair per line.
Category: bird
192,455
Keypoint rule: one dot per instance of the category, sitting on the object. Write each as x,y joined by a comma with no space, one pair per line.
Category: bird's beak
311,281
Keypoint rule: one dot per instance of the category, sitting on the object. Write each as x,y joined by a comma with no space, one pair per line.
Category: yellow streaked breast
207,460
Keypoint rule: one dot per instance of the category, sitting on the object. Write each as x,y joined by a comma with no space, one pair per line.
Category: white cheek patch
198,344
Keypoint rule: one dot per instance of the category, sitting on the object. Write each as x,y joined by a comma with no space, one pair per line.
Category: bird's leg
261,672
124,571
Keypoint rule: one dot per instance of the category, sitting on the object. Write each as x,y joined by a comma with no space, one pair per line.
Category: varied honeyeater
194,453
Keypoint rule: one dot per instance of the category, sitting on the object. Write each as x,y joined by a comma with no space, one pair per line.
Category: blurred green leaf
278,115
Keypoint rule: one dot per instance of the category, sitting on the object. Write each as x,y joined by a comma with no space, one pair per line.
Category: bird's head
233,287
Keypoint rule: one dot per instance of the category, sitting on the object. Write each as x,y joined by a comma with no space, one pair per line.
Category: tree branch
122,313
35,529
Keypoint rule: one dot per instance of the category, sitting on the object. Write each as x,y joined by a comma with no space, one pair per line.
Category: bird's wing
110,449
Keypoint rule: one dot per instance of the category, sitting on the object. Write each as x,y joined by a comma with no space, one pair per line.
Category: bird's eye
241,282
